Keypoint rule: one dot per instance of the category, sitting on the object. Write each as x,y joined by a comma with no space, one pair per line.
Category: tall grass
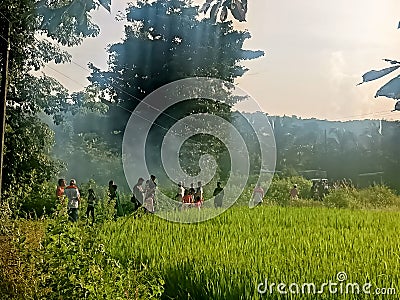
289,241
226,257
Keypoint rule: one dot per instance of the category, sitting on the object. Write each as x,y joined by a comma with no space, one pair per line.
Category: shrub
279,191
72,264
31,201
342,198
378,197
40,201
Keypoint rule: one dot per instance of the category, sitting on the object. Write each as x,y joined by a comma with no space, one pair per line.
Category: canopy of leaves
27,159
68,22
164,42
392,88
26,19
238,9
28,141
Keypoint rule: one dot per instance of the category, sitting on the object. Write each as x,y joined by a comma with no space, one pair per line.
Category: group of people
194,197
141,195
190,197
74,198
320,188
145,196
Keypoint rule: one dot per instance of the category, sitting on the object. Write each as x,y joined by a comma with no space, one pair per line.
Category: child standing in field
199,191
138,194
192,190
219,195
258,195
91,204
181,192
60,188
294,192
111,191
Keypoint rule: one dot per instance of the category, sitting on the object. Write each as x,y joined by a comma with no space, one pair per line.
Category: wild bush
73,264
342,198
374,197
378,197
279,191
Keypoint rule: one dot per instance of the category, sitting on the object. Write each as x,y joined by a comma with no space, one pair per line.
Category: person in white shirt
181,192
199,191
74,198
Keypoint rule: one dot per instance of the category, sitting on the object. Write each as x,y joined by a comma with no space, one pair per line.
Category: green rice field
234,255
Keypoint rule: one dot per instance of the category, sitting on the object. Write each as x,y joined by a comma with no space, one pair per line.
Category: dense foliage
52,258
360,150
164,42
28,141
141,256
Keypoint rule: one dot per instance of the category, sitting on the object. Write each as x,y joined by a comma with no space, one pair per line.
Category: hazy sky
316,53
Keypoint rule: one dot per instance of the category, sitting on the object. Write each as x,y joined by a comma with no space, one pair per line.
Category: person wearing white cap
181,191
74,198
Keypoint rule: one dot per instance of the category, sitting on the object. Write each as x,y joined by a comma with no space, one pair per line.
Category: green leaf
214,11
106,4
390,89
373,75
205,6
224,13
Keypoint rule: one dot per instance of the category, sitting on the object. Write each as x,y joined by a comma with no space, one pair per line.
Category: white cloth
181,191
199,192
73,195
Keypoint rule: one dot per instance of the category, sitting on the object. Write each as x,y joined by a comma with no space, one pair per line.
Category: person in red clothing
187,199
198,202
60,187
60,190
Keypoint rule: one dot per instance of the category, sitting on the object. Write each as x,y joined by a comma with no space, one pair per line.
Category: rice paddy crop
229,256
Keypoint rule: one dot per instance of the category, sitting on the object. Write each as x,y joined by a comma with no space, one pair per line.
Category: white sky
316,53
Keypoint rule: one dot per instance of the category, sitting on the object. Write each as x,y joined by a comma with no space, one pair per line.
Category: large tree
27,155
166,41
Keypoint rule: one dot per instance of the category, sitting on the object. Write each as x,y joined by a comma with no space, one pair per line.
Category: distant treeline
366,151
